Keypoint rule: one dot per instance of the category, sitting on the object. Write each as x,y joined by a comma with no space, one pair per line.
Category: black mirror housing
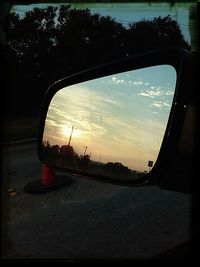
174,150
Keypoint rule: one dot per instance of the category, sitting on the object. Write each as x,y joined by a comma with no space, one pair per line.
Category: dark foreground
87,219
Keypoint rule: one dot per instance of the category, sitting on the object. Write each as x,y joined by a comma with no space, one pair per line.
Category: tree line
66,157
51,43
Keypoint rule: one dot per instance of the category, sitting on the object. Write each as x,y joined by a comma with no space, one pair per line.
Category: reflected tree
117,169
67,155
50,153
84,162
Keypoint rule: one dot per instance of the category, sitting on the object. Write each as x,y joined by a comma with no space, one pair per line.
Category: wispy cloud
116,80
160,104
83,108
155,92
138,82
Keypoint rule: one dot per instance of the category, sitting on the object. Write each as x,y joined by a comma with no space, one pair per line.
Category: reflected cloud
138,83
160,105
116,81
157,92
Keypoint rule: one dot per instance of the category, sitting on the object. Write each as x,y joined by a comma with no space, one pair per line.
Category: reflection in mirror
111,126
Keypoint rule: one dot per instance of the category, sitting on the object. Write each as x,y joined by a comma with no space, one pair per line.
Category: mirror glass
111,126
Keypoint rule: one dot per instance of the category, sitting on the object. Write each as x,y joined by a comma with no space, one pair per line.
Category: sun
66,131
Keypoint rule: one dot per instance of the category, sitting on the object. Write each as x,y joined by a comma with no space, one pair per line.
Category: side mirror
115,123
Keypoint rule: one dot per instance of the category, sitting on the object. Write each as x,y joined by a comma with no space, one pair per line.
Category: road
88,219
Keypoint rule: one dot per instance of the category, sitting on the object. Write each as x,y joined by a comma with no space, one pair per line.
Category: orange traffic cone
48,175
48,182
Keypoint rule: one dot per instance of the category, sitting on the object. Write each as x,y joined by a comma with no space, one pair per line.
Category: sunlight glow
66,131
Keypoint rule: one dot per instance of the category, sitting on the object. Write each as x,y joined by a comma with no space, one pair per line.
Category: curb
20,142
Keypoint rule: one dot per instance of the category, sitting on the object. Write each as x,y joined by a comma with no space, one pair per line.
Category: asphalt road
88,219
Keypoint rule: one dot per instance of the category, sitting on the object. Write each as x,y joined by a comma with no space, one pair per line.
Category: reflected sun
66,131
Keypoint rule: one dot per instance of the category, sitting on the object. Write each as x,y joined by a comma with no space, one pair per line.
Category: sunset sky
119,118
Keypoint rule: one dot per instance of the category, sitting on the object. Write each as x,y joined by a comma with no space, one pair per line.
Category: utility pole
71,135
85,150
150,164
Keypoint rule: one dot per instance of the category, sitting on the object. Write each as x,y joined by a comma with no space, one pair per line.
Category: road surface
88,219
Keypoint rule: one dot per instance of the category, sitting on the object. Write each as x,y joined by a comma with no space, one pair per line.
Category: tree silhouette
64,156
67,154
84,39
50,43
84,162
117,169
158,33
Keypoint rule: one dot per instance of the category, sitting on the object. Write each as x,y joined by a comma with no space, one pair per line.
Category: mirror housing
184,101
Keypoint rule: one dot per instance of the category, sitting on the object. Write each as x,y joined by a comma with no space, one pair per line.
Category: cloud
116,80
138,83
160,104
156,92
169,92
157,105
82,107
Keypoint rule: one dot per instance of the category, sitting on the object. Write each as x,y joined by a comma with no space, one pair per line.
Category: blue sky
121,117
